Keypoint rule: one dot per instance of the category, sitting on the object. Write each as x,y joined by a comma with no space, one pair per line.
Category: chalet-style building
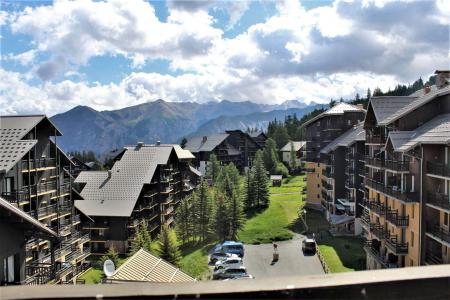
232,146
321,131
259,137
342,188
406,206
286,152
143,187
15,226
35,178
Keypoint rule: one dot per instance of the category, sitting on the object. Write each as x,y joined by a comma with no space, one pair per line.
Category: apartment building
319,132
406,205
144,186
341,186
35,178
259,137
233,146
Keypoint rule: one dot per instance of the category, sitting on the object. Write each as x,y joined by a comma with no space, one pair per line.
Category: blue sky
111,54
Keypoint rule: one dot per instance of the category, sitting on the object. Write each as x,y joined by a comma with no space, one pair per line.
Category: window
411,262
412,239
349,122
446,219
413,212
11,268
318,185
9,184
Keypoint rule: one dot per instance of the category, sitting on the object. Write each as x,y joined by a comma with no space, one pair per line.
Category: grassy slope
195,259
273,223
93,276
342,254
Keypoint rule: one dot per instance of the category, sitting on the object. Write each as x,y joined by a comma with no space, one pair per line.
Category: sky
56,55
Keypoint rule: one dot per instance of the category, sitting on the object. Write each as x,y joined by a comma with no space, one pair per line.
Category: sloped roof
338,109
5,205
197,143
357,133
183,153
117,195
144,266
256,134
297,146
195,171
436,131
390,109
12,131
385,106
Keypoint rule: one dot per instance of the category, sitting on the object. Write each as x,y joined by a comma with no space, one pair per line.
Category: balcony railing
374,161
378,207
400,221
38,163
396,165
375,139
369,247
397,247
439,169
439,233
439,200
395,192
379,231
38,273
75,255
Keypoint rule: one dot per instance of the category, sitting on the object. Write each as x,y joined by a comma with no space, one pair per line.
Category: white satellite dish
109,268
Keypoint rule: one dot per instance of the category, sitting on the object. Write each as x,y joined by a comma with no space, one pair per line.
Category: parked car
230,273
218,256
233,247
231,262
309,246
248,276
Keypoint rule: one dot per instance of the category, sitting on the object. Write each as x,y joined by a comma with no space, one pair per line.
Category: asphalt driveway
258,260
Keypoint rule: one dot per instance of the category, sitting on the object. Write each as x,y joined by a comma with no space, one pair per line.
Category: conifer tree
260,181
220,222
112,255
202,208
141,239
184,219
270,156
249,195
167,246
236,215
293,157
213,167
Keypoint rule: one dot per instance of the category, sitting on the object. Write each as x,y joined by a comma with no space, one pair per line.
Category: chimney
139,145
109,174
204,139
426,89
158,143
442,78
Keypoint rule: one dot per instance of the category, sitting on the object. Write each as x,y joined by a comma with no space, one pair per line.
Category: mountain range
101,131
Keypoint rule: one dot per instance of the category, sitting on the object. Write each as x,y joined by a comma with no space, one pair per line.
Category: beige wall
286,157
314,185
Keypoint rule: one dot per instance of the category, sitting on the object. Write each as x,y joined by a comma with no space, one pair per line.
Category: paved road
258,260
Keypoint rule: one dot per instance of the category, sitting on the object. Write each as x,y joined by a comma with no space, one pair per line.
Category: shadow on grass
253,212
192,246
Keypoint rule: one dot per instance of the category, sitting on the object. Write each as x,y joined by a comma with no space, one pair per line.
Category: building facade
35,177
406,205
286,152
233,146
319,132
143,188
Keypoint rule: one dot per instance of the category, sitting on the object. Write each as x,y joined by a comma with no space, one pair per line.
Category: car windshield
175,144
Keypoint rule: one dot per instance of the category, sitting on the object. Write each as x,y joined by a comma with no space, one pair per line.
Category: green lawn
195,260
291,184
93,276
273,223
342,254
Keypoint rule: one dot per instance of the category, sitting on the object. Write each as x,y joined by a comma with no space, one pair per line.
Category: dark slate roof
436,131
116,194
10,208
12,131
357,133
197,144
338,109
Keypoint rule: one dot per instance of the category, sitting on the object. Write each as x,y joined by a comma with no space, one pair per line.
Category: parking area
292,261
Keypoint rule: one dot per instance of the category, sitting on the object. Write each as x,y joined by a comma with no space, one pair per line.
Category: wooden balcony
439,199
398,248
438,169
393,191
393,217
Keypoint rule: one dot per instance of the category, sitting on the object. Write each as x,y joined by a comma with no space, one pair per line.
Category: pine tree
112,255
249,195
184,228
236,215
281,136
202,210
183,143
167,246
141,239
233,173
220,222
293,157
369,95
270,156
213,167
261,182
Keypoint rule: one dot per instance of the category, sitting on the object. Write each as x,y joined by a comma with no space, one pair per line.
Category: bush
280,169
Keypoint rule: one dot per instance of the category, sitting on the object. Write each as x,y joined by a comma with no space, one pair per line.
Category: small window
318,123
412,239
446,219
318,195
318,185
411,262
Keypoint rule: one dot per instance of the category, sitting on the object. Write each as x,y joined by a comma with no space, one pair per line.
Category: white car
231,262
219,256
230,273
